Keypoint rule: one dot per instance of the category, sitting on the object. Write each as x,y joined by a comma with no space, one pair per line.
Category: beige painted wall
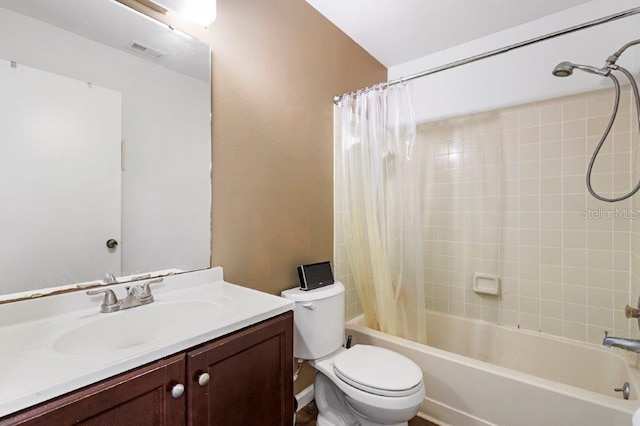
276,66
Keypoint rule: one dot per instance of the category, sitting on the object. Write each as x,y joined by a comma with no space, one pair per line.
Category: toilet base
332,410
365,421
324,422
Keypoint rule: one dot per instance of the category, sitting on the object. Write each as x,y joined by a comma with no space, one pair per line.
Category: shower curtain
380,212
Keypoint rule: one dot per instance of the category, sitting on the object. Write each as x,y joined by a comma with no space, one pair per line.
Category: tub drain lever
625,389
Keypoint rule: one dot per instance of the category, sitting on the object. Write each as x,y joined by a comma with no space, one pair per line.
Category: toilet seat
378,371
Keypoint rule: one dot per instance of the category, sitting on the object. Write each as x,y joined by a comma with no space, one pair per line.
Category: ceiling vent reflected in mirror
145,51
202,12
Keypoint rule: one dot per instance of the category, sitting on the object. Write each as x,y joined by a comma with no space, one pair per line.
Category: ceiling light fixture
202,12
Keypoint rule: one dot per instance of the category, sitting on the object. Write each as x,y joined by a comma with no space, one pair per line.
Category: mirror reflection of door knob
112,243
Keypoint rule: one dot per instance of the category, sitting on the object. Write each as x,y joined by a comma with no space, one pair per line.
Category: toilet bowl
378,386
363,385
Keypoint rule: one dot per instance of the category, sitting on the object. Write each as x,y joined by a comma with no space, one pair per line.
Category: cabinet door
250,377
141,397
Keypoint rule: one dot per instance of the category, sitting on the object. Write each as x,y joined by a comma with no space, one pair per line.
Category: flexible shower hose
616,103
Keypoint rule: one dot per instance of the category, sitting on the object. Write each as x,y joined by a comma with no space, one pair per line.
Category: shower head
565,69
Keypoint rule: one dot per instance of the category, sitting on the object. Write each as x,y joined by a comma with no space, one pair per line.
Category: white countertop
34,366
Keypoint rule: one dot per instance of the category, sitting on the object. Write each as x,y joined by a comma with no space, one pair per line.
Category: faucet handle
109,303
606,334
630,312
146,290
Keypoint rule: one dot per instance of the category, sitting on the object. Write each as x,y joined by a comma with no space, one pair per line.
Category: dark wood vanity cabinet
140,397
250,377
250,381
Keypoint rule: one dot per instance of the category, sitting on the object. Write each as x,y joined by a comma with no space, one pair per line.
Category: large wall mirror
105,146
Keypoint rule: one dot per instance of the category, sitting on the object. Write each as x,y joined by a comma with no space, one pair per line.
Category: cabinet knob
203,379
177,391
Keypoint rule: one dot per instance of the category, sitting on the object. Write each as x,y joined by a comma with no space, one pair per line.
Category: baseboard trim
305,397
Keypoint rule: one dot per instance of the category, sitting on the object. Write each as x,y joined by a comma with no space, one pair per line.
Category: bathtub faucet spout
620,342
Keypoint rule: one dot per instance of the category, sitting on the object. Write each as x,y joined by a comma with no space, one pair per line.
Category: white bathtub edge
448,416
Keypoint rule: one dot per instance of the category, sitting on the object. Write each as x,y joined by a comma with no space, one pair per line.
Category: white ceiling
397,31
113,24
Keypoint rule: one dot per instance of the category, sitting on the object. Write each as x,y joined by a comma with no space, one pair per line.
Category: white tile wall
504,193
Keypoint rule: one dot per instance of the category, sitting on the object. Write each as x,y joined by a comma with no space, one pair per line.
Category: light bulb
202,12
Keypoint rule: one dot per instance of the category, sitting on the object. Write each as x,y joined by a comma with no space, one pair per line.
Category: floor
307,417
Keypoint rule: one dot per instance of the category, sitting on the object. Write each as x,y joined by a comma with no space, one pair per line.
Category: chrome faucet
620,342
137,295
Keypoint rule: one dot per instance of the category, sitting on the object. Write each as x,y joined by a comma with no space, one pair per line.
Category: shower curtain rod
589,24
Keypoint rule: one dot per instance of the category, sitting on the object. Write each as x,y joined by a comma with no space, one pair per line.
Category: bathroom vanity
223,357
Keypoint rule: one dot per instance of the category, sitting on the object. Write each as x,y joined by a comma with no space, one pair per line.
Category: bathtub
477,373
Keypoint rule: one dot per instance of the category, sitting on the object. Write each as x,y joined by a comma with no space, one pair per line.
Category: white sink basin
134,327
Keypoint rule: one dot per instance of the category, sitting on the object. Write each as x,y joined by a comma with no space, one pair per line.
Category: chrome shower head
565,69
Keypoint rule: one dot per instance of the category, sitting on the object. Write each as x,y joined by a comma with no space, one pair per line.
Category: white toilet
364,385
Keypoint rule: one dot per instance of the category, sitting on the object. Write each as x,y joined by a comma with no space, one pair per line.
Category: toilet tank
318,319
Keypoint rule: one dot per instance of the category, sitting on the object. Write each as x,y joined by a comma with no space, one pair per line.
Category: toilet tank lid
325,292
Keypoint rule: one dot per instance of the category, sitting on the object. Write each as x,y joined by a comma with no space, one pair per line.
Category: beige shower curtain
381,212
